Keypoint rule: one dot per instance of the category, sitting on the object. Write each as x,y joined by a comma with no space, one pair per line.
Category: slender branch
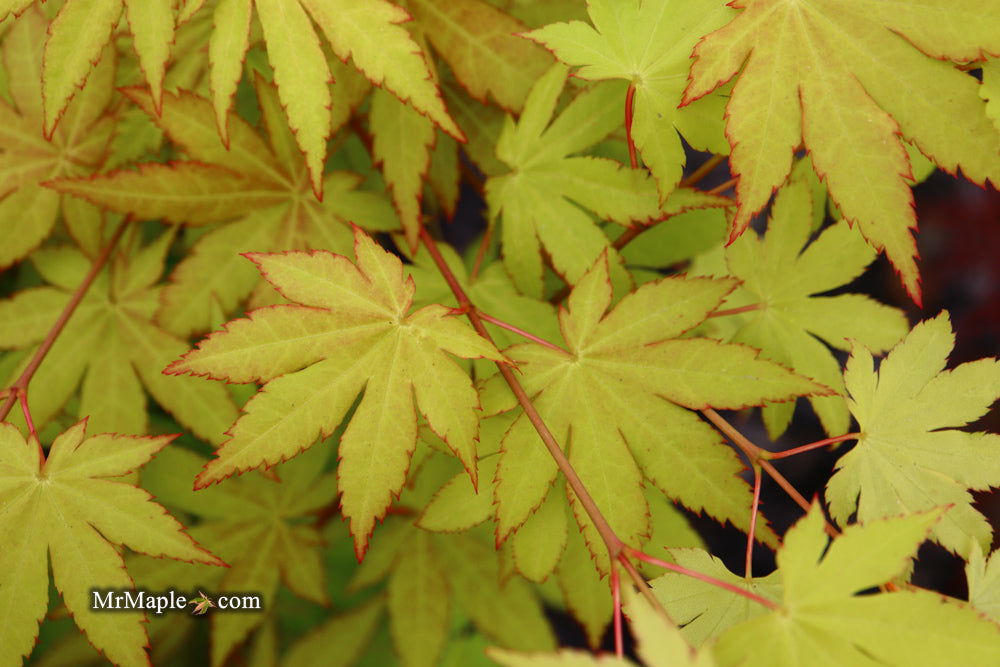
616,598
737,311
703,577
702,171
629,100
758,456
719,189
20,386
629,234
643,587
813,445
521,332
484,245
27,414
754,509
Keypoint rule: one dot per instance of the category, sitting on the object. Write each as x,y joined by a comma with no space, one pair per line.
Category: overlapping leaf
911,456
349,329
110,344
259,189
983,577
77,148
648,43
542,200
782,277
257,525
619,399
69,510
392,60
847,79
822,616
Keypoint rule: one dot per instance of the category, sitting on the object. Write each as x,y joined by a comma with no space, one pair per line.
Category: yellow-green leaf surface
418,603
703,610
369,32
401,142
68,510
983,576
783,278
340,641
256,525
482,46
648,43
110,348
911,456
257,190
78,35
349,330
848,79
822,616
619,399
543,201
76,149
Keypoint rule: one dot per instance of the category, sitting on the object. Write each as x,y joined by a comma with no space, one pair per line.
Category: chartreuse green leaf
821,615
259,189
482,47
544,200
782,278
401,141
619,398
990,90
848,80
68,510
648,43
75,149
110,344
910,456
340,641
256,525
79,34
347,330
703,610
418,603
983,576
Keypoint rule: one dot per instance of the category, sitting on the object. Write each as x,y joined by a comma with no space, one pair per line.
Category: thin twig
629,100
813,445
616,600
20,386
719,189
736,311
520,332
702,171
754,509
484,245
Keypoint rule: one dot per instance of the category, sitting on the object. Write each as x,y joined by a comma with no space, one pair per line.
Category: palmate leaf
349,330
68,509
648,43
910,456
258,189
110,345
540,200
983,577
367,31
783,278
821,615
77,148
256,524
847,79
619,400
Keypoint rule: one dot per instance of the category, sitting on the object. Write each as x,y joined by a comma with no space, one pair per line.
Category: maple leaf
910,457
648,43
783,279
983,577
110,345
619,400
349,329
848,79
535,199
70,509
77,148
821,613
256,525
392,60
76,41
259,190
480,44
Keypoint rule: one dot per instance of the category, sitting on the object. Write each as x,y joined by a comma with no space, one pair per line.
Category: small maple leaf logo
202,603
